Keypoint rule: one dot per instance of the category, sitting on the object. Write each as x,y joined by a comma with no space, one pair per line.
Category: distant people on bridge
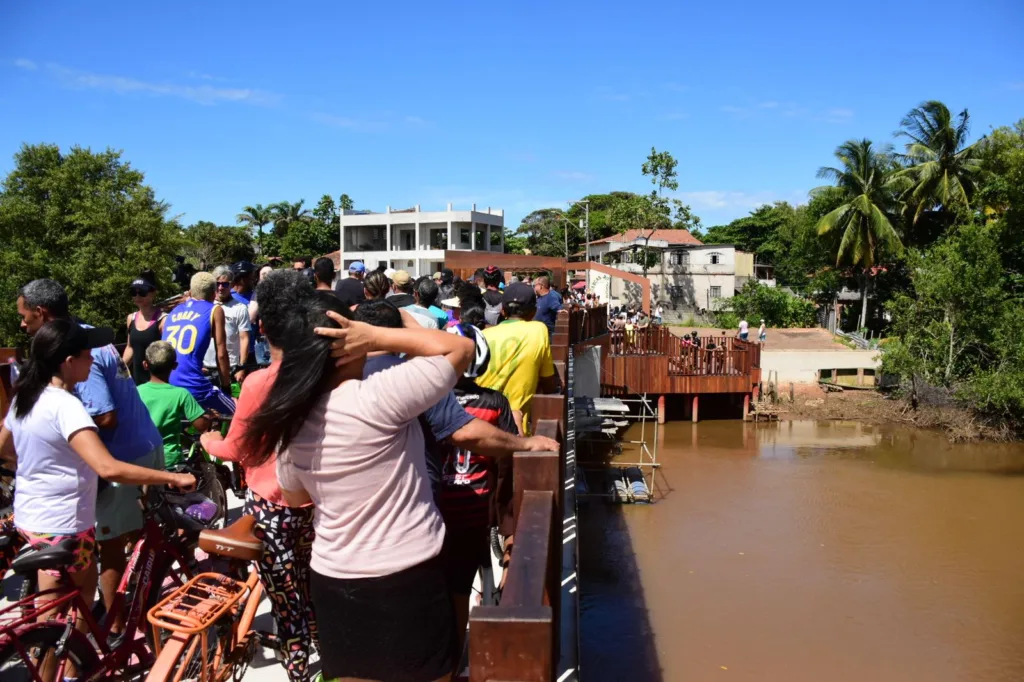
762,333
549,303
744,330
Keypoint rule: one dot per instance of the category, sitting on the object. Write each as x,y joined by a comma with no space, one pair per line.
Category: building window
716,258
679,258
627,257
408,240
715,292
464,235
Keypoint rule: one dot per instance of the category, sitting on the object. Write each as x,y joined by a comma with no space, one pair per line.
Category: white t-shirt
744,327
54,489
236,319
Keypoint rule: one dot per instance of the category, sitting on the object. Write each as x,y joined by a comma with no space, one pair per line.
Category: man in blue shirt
549,302
125,427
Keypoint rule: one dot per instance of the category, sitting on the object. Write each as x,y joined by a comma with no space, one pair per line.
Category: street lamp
585,226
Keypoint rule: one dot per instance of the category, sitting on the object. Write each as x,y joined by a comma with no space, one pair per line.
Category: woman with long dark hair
286,531
355,449
51,442
145,325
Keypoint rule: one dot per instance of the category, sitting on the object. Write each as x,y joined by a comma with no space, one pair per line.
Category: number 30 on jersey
182,337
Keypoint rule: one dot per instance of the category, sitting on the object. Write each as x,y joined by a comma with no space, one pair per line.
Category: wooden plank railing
518,639
587,323
717,355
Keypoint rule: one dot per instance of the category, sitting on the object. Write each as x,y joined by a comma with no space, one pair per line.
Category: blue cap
357,267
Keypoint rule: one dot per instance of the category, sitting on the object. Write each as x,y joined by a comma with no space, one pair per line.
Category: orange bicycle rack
196,605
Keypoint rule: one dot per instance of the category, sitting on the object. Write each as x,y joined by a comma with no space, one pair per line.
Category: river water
817,551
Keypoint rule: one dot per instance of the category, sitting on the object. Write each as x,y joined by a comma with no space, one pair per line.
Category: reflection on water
810,551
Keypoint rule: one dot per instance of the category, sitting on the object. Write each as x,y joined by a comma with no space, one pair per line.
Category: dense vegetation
88,220
932,234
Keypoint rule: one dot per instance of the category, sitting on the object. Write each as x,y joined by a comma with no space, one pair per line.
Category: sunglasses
139,292
223,285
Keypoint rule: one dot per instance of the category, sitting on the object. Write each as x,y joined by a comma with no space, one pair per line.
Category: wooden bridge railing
520,638
586,323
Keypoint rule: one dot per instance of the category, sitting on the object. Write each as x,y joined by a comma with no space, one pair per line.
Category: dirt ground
812,402
778,339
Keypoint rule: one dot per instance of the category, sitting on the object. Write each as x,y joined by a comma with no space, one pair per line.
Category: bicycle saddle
234,542
56,556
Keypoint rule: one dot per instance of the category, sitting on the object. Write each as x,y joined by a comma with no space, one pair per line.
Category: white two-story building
684,273
414,240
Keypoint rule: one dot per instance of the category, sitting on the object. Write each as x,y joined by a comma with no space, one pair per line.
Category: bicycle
209,619
232,478
35,635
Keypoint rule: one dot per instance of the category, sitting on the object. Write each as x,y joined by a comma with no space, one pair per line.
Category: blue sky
512,105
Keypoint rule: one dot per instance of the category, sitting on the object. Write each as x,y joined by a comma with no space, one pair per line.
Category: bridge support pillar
746,406
661,409
694,411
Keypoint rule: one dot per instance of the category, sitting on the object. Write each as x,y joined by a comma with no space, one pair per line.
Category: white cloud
124,85
355,124
768,105
573,176
26,64
838,115
729,200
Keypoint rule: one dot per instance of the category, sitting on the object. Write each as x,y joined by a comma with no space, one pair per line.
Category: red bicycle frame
153,550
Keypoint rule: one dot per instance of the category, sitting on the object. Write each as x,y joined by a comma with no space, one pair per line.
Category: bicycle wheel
39,642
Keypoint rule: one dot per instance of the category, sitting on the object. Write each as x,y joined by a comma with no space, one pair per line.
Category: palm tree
864,178
941,167
285,214
255,217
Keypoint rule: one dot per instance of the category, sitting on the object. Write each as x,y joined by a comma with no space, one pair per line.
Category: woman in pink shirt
355,449
286,530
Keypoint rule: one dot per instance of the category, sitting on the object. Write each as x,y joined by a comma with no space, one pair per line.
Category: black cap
447,276
81,338
143,284
243,267
520,293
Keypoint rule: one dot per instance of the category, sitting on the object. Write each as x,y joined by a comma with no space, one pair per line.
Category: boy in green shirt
169,405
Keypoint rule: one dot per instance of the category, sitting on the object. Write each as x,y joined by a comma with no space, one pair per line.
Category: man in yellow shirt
520,354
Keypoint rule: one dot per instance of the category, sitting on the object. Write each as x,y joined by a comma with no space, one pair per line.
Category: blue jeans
262,351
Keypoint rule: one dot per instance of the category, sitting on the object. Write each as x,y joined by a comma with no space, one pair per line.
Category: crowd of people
375,432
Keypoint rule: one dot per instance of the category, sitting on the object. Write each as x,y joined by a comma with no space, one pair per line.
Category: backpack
492,313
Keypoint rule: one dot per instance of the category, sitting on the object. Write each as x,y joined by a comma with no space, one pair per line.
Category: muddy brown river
810,551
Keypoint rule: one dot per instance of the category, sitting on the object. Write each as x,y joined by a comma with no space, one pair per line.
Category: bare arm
408,321
7,454
90,448
355,339
202,424
220,337
486,439
107,420
128,352
243,348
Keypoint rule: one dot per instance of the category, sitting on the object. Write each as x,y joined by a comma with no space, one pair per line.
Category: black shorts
464,552
396,628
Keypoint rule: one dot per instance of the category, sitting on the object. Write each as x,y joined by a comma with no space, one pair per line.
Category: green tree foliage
345,203
310,239
1000,197
515,242
956,324
544,234
775,306
942,168
327,212
85,219
285,214
601,205
216,245
863,219
255,218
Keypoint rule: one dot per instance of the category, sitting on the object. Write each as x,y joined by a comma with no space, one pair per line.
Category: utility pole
586,231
